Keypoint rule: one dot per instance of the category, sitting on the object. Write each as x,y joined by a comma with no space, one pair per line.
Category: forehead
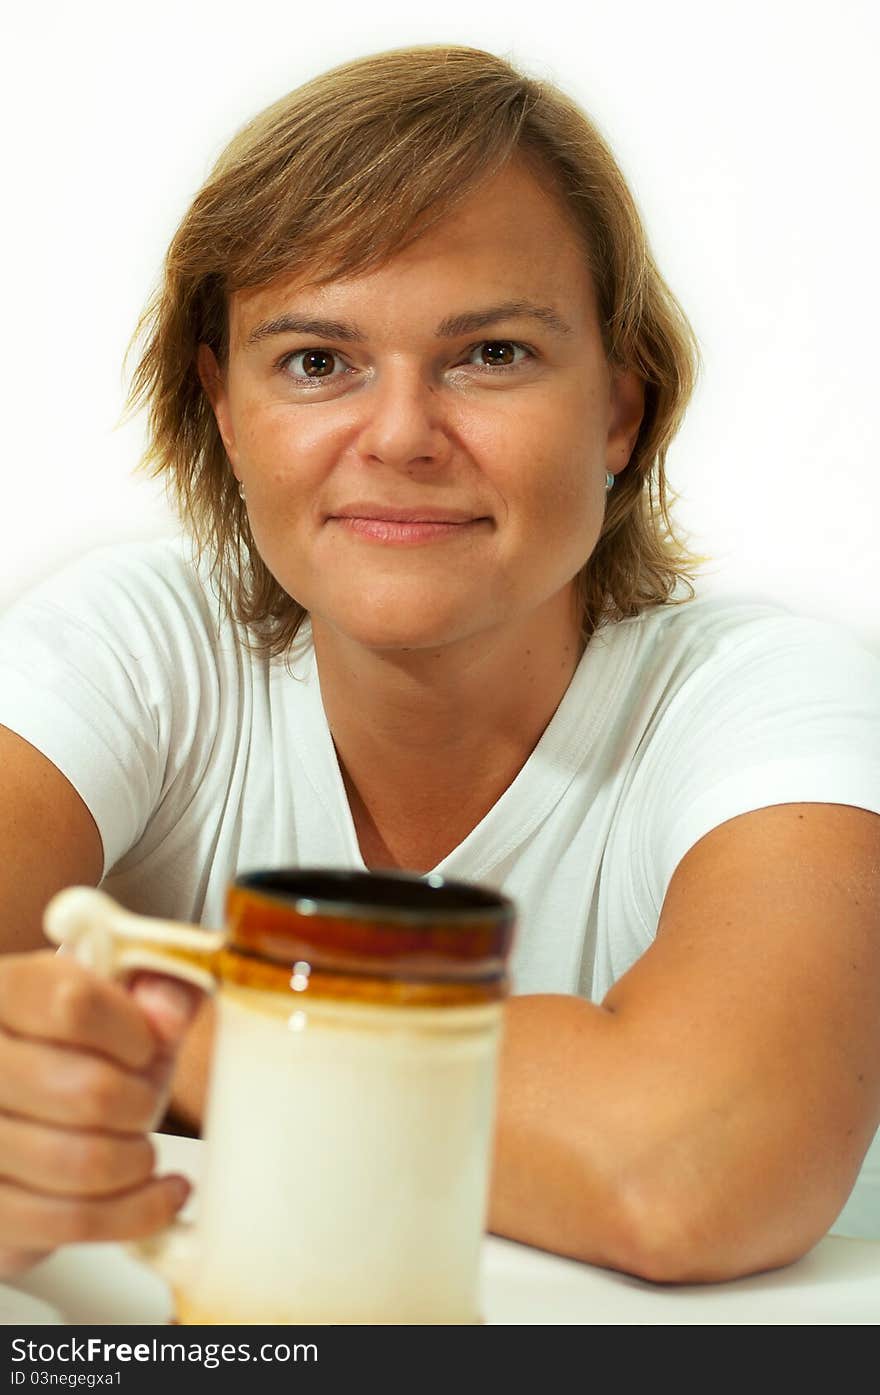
510,238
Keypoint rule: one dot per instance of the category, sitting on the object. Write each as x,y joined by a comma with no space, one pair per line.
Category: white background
748,133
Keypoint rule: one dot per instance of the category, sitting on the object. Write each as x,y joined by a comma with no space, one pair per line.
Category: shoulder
743,707
724,707
129,593
164,566
730,645
723,684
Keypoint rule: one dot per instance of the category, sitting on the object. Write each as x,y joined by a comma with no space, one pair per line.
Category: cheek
281,450
262,431
561,453
559,490
562,512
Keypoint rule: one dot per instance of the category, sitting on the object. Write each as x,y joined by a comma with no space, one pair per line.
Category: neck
429,740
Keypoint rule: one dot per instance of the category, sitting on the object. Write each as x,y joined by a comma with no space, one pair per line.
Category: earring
240,489
609,481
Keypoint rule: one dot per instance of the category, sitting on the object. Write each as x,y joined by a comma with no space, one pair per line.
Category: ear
217,393
627,411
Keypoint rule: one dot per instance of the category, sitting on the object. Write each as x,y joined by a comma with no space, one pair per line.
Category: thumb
169,1005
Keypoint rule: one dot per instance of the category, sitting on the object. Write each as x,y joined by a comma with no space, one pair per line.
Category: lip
406,532
382,513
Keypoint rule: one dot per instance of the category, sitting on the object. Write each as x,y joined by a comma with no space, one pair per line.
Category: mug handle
114,942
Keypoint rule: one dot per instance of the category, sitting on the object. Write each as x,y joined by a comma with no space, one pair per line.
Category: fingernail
180,1189
171,1002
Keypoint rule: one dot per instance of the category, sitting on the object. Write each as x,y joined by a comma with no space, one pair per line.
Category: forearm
554,1183
610,1150
538,1183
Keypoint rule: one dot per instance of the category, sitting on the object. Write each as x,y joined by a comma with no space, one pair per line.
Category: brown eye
317,367
499,356
498,352
317,363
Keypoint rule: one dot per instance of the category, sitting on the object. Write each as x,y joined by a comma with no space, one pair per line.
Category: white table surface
838,1282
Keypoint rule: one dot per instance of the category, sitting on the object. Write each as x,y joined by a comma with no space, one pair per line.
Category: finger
14,1262
76,1089
32,1220
52,997
72,1162
170,1006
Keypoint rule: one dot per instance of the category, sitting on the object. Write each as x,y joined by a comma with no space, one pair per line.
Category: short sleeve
86,665
787,711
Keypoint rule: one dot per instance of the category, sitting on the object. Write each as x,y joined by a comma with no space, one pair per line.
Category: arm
48,840
709,1118
83,1069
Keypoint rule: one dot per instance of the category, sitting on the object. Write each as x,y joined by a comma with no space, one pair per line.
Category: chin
401,630
399,639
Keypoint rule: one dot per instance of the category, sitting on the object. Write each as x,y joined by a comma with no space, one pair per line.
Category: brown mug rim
433,942
494,903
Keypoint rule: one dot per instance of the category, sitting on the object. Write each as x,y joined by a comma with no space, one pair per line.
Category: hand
85,1066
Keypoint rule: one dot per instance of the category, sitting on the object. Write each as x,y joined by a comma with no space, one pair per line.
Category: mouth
417,525
383,513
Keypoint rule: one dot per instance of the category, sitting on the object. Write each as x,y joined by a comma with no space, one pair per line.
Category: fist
85,1068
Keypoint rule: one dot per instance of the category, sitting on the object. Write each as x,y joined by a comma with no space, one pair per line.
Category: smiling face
498,429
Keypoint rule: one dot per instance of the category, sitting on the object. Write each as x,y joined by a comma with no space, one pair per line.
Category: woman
413,375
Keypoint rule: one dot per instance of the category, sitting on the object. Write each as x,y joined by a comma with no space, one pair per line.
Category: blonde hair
332,180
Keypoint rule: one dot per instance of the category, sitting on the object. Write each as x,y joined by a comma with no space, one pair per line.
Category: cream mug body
349,1119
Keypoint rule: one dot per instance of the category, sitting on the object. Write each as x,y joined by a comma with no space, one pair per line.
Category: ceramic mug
349,1119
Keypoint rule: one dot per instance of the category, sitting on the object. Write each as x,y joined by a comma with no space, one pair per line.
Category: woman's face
498,429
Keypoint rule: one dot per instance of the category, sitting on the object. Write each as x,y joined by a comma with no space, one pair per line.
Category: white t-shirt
199,760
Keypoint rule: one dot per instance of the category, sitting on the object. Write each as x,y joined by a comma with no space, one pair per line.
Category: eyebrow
450,328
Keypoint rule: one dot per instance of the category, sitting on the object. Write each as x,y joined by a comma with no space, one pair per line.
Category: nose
403,422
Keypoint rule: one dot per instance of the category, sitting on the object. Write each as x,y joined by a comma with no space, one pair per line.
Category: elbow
665,1239
681,1233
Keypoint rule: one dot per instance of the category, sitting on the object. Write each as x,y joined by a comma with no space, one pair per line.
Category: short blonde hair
333,180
